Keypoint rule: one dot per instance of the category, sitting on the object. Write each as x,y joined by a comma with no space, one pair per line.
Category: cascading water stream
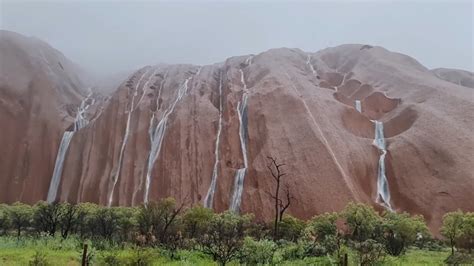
208,201
358,106
124,142
383,192
156,136
79,122
308,62
58,166
240,174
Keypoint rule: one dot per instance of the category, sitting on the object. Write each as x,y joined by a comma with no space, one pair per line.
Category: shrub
196,220
460,259
39,259
257,252
452,228
290,228
291,250
224,236
20,216
4,219
401,230
141,257
110,258
362,221
369,252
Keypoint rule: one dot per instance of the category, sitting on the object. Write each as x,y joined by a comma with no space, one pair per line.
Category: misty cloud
107,37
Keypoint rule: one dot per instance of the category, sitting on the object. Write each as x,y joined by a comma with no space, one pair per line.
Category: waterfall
358,106
124,141
58,166
156,136
80,121
240,174
208,201
308,62
383,192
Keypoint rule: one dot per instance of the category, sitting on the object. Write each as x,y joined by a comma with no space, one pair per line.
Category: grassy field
57,252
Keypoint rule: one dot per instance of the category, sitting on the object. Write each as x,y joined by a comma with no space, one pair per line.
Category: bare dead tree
281,206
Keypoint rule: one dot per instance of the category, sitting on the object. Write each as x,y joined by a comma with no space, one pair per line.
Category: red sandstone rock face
39,92
300,111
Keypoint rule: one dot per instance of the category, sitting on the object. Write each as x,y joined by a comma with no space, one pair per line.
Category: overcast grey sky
112,36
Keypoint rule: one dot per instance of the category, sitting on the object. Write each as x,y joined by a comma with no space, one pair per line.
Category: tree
369,252
126,222
452,228
85,219
401,230
281,206
322,230
4,219
68,219
103,222
47,216
196,220
467,238
158,217
362,221
224,236
290,228
20,216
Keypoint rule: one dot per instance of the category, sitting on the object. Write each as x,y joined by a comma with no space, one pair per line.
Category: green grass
68,252
419,257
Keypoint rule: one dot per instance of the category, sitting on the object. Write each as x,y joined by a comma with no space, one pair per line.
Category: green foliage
224,236
141,257
39,259
466,240
460,259
321,226
288,251
369,252
290,228
110,258
362,221
20,216
257,252
401,230
47,216
196,220
160,220
322,235
4,219
452,228
169,234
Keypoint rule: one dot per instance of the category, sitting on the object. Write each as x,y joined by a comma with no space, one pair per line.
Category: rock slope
202,134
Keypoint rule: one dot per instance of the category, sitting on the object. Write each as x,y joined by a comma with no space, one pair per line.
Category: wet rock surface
300,109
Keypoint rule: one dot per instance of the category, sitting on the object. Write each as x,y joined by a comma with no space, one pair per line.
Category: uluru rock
203,133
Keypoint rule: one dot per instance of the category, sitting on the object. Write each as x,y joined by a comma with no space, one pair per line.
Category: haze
110,37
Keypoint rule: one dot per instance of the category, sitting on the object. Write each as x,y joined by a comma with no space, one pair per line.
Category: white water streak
157,135
124,142
240,174
145,87
151,132
80,121
383,192
308,62
58,166
208,201
358,106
